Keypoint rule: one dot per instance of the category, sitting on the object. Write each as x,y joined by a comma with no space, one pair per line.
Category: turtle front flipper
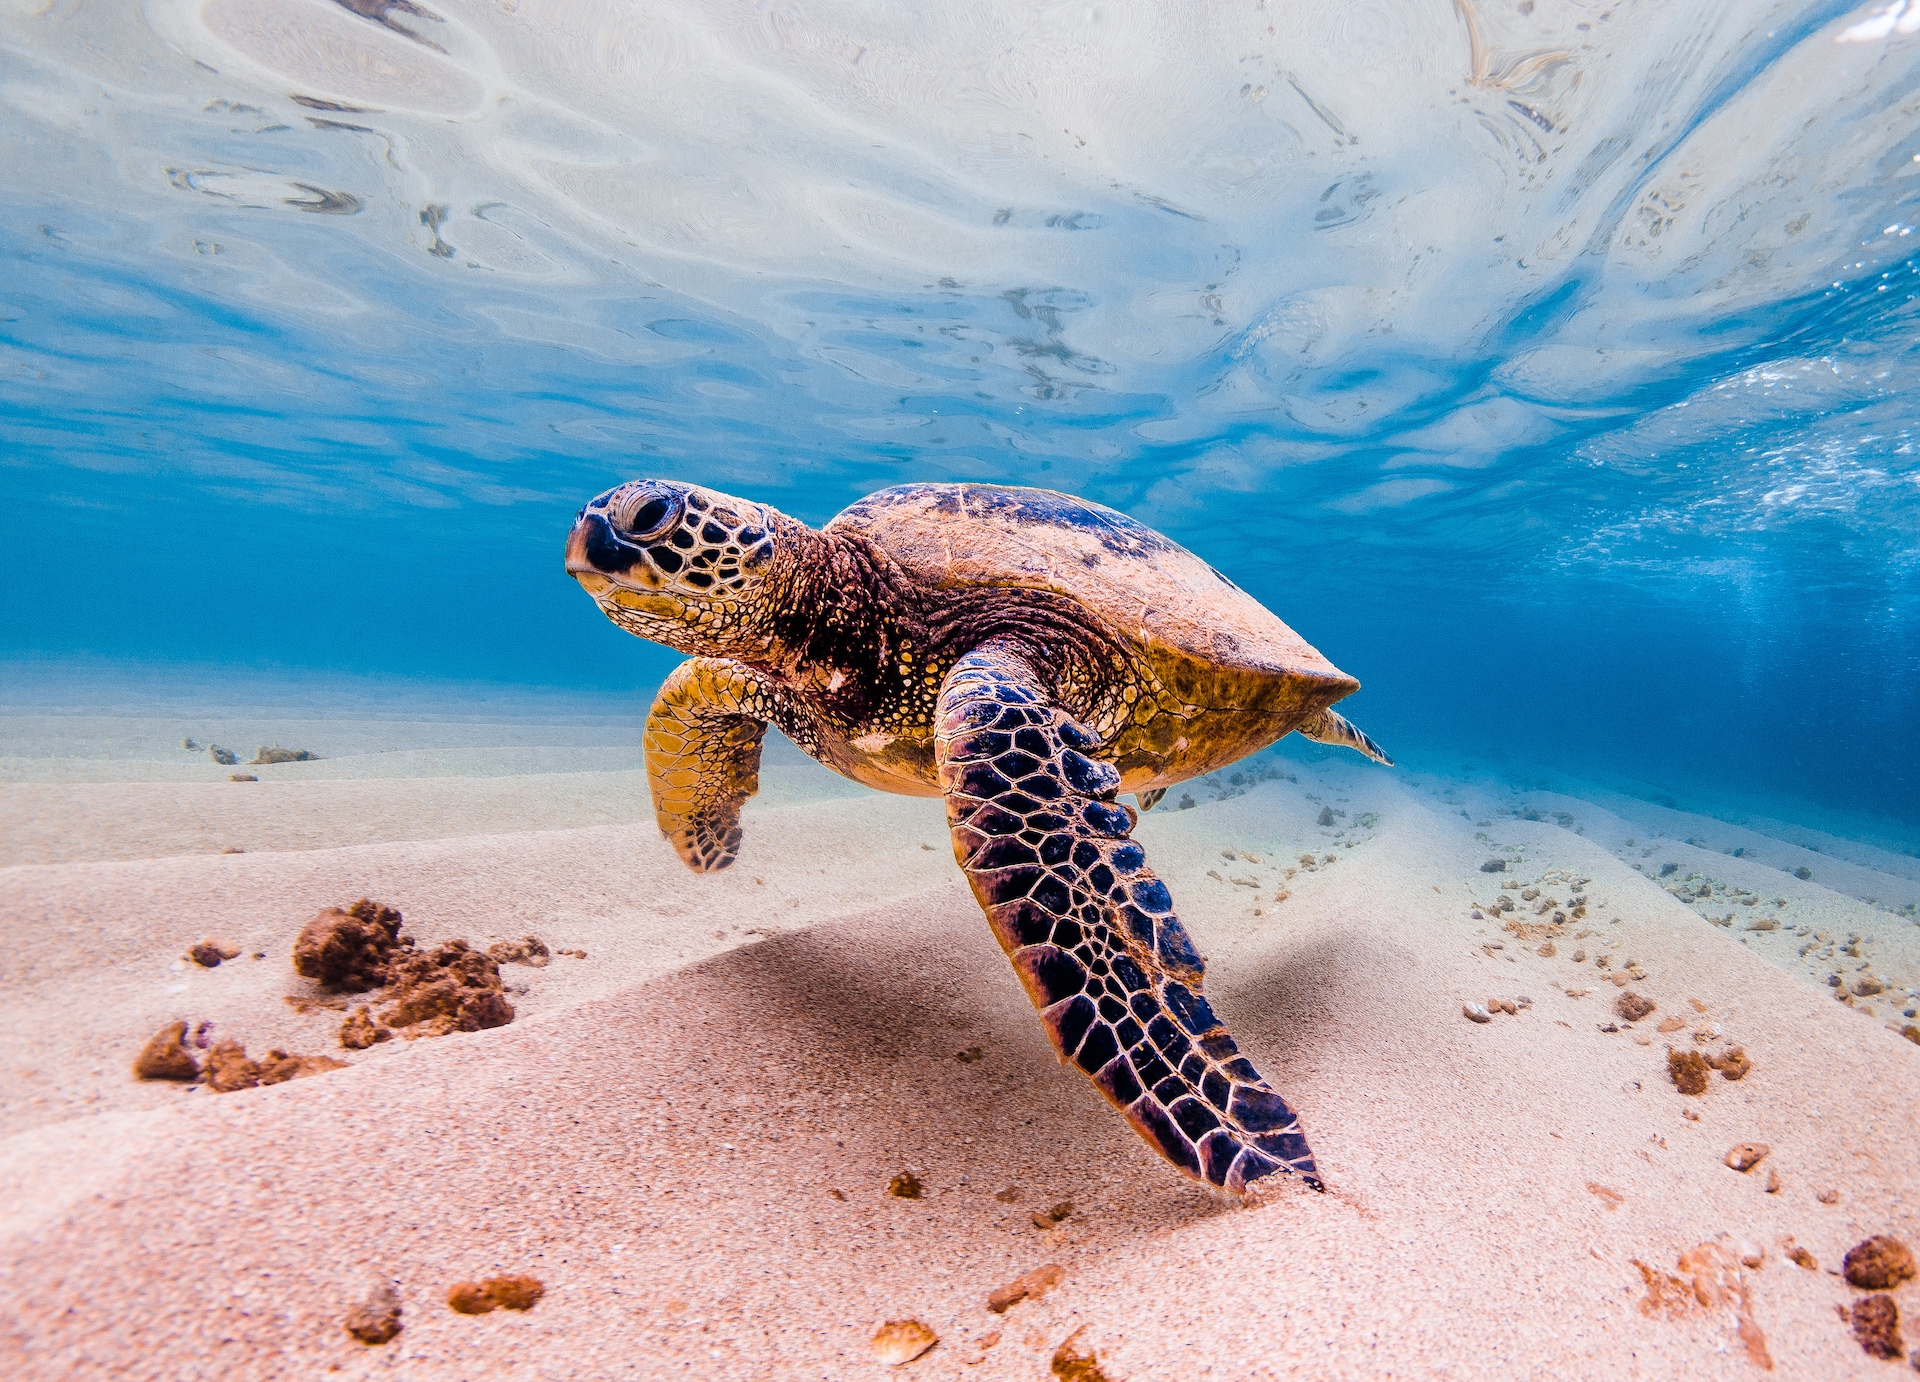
1091,929
703,755
1329,728
1149,800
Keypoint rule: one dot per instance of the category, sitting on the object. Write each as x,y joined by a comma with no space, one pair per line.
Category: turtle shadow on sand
913,1039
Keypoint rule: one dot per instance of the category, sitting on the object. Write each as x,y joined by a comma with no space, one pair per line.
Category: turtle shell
1210,642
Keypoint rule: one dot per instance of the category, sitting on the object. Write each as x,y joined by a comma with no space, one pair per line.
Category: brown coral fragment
452,989
1631,1007
1030,1286
1879,1263
1689,1071
376,1319
279,1067
360,1031
165,1056
902,1341
528,950
228,1068
1876,1324
495,1293
348,950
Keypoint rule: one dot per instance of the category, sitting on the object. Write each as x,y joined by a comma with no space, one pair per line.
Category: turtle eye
652,515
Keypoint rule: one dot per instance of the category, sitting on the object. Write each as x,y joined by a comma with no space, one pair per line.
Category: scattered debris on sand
348,950
264,755
970,1055
1071,1365
1612,1199
1747,1155
226,758
1876,1324
1804,874
1803,1259
1058,1214
1711,1278
165,1056
905,1186
1879,1263
902,1341
1474,1012
375,1320
209,954
1689,1071
495,1293
1494,866
1030,1286
528,950
241,777
1325,817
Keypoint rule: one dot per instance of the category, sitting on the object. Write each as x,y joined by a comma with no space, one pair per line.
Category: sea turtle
1028,656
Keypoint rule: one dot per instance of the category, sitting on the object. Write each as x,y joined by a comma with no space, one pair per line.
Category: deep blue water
1552,370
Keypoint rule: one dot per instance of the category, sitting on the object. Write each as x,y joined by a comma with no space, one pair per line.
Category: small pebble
905,1186
902,1341
1747,1155
495,1293
1475,1013
1031,1286
376,1319
1803,1259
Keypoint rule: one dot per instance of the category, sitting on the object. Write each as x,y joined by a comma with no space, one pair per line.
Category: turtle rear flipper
1091,929
1329,728
703,755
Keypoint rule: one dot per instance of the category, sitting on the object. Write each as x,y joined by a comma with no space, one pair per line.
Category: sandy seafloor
660,1134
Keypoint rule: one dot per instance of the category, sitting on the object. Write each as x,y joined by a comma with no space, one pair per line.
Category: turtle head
699,571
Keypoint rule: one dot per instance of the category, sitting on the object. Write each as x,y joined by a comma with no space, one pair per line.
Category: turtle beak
593,553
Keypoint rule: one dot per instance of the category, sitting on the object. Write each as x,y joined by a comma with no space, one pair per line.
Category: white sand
656,1135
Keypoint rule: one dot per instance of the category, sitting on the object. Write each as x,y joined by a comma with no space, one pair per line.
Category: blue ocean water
1549,366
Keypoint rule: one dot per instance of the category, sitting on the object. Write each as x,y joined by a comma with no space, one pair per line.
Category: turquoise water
1550,367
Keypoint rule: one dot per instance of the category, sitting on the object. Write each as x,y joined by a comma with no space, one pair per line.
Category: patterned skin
1018,700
